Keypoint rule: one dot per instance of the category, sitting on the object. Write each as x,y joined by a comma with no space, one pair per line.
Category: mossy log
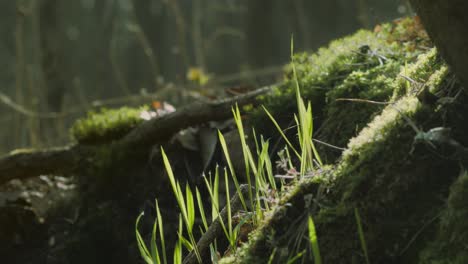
22,164
396,172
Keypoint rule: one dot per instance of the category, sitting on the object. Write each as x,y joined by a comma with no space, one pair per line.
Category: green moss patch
106,125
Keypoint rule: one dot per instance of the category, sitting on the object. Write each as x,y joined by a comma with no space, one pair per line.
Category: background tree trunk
447,24
51,55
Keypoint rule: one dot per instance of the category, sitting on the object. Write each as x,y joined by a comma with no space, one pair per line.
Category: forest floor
391,174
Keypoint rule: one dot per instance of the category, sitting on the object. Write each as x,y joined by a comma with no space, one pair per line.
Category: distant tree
52,56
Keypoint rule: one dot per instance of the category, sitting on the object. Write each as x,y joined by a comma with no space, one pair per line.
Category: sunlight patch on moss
378,129
420,71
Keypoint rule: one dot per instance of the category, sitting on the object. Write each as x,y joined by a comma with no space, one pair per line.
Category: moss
22,151
380,175
363,65
106,125
449,245
322,71
376,84
375,138
395,184
407,32
427,64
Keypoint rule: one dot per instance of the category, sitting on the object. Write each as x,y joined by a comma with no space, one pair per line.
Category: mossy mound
396,172
106,125
449,245
364,65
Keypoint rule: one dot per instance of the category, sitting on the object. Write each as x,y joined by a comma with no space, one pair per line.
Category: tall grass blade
215,206
190,207
201,209
272,256
231,169
141,243
314,242
178,246
361,235
161,232
187,208
232,241
281,132
298,256
248,158
154,245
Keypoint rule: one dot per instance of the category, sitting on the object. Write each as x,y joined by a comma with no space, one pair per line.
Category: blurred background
61,58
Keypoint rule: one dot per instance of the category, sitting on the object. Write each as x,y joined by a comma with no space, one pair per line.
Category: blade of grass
141,243
161,232
178,246
314,242
215,209
188,212
272,256
304,122
201,209
190,206
248,158
281,132
298,256
361,235
232,241
154,245
231,169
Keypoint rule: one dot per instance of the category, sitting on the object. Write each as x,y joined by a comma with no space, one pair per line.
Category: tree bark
446,22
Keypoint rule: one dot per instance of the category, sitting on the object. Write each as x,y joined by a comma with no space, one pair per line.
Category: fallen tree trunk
69,159
24,164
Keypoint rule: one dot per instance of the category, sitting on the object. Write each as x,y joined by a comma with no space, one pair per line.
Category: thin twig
362,101
328,144
22,110
410,122
53,115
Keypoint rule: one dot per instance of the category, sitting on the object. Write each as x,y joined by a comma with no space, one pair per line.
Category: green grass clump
106,125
